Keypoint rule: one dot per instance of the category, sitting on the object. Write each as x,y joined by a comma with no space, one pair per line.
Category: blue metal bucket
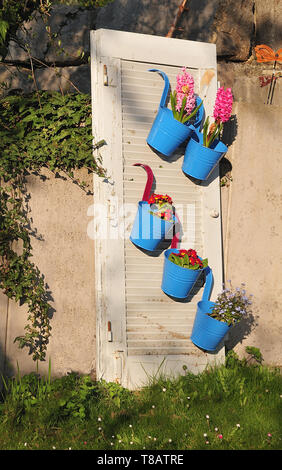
207,332
167,134
199,161
177,281
148,230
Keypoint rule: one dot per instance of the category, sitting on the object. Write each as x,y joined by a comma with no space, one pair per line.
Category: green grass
235,407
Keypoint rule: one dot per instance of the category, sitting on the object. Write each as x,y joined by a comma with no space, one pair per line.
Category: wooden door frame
108,48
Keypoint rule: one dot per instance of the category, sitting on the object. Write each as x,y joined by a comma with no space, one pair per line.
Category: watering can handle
166,87
149,184
209,283
195,129
175,239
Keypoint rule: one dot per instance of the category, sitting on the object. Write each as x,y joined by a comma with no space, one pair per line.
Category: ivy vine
38,130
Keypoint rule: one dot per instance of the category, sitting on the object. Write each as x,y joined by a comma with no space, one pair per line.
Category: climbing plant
39,130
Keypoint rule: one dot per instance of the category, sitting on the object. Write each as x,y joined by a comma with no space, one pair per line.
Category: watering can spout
150,180
166,87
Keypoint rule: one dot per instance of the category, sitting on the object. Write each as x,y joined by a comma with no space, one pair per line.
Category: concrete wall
253,226
65,255
251,203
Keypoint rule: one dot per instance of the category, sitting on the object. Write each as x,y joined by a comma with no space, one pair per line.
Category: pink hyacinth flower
223,105
185,87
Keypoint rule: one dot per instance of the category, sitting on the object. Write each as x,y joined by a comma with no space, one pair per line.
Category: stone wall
251,202
62,63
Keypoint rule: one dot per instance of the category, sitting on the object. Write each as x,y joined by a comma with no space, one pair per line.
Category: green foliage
20,279
46,129
39,130
185,263
225,407
114,394
231,306
255,353
208,139
76,404
12,14
21,394
181,115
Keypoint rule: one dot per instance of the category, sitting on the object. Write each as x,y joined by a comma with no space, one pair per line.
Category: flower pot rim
166,254
199,312
215,142
140,203
181,124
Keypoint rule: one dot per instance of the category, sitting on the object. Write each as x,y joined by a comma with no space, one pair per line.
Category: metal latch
106,82
110,334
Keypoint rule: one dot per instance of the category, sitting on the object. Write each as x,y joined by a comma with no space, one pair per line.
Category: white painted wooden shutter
148,328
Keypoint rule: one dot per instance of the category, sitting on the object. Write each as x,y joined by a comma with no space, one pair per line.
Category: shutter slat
156,324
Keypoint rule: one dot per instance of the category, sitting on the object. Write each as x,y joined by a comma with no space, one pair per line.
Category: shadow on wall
241,331
155,17
6,369
229,135
230,131
236,334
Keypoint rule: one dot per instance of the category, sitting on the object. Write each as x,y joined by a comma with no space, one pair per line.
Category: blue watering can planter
199,161
207,332
178,281
148,230
167,134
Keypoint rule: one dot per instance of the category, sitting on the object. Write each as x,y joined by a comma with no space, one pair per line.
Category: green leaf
175,259
193,113
4,26
184,101
205,130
